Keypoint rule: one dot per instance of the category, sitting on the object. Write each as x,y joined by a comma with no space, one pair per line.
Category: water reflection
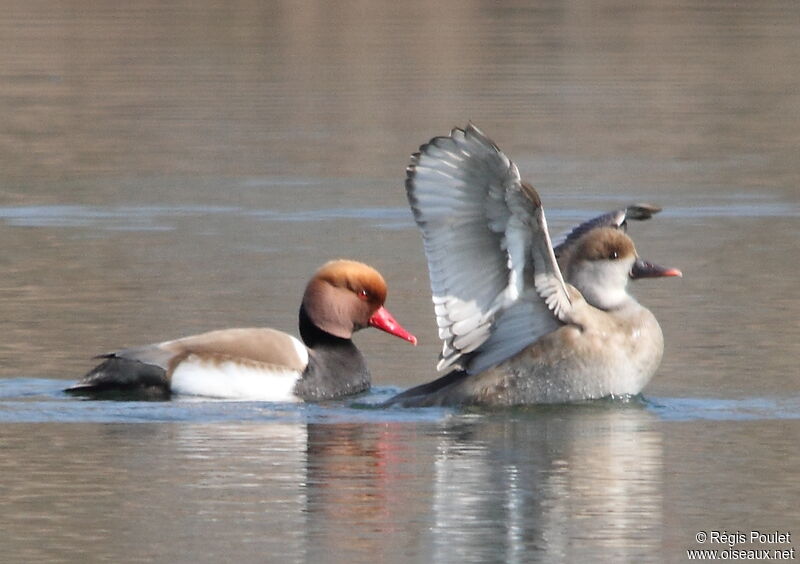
250,482
563,483
170,168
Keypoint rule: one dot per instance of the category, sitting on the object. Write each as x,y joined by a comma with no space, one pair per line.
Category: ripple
157,217
723,409
112,218
36,400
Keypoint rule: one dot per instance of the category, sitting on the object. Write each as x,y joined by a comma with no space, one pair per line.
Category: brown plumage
343,295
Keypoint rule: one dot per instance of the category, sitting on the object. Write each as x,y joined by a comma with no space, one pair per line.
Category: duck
342,297
524,321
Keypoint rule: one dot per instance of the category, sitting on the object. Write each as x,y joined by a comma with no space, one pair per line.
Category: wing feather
617,218
518,326
487,245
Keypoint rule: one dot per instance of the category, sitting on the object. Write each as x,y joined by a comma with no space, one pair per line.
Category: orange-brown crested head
344,296
357,277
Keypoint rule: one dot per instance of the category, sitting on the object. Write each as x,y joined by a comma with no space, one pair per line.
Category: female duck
515,330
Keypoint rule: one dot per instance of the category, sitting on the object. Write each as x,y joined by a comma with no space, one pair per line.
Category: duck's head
603,261
344,296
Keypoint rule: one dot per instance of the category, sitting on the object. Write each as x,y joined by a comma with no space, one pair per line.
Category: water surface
167,169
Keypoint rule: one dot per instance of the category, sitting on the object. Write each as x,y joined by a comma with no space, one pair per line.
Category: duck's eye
363,294
613,255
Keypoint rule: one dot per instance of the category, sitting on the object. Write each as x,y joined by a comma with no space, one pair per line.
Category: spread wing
617,218
489,252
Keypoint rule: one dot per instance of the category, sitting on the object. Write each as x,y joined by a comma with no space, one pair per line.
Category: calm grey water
169,168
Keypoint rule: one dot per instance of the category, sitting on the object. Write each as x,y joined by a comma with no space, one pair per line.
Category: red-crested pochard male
515,329
264,364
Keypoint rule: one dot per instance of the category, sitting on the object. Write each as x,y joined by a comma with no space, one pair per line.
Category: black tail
123,378
417,394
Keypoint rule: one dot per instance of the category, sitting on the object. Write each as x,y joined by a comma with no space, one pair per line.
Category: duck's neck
313,336
335,366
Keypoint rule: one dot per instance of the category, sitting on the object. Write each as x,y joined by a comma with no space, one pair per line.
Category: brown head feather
342,296
354,276
605,243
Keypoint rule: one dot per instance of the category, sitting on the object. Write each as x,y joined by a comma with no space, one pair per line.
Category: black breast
335,368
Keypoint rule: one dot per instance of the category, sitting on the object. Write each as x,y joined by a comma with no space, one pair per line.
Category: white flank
232,380
301,349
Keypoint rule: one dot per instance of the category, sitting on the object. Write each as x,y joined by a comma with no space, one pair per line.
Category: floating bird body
523,321
260,363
